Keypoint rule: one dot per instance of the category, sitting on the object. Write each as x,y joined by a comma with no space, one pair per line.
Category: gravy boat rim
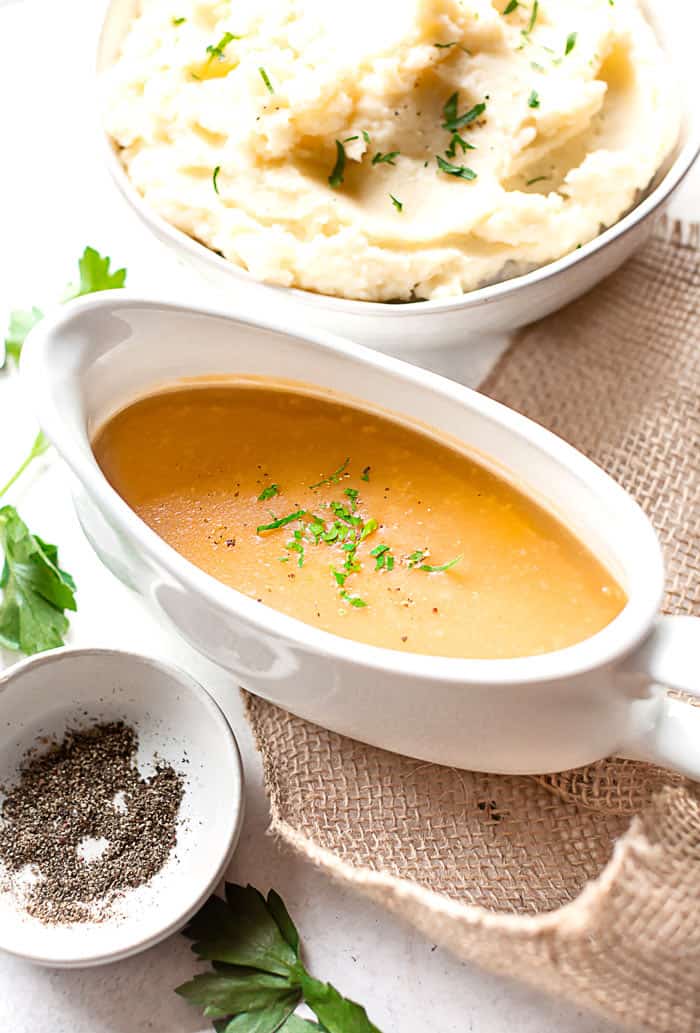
42,358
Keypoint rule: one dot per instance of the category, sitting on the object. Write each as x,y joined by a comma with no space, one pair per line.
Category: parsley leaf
533,101
257,976
218,49
460,171
178,21
442,566
95,275
398,205
269,492
512,6
215,178
21,322
36,592
281,522
385,159
334,478
533,18
337,176
266,79
453,122
570,43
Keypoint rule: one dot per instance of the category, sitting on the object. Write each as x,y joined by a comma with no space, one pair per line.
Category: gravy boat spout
524,715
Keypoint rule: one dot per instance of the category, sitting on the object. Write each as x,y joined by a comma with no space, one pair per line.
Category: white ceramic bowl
494,309
539,713
175,719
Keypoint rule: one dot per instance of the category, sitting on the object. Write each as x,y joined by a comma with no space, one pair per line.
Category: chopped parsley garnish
354,600
333,478
365,136
365,473
454,122
415,558
266,79
512,6
533,101
385,159
443,566
281,522
459,171
458,141
446,46
349,139
178,21
269,492
533,18
570,43
218,50
398,205
537,179
337,176
215,177
369,528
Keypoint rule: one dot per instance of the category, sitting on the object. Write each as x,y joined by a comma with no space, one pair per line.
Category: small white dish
176,720
498,308
530,714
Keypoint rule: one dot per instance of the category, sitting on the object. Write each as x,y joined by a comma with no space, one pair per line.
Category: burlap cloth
584,884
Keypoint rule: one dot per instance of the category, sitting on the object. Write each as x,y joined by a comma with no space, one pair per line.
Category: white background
54,200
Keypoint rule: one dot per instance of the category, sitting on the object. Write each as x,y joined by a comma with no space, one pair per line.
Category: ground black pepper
87,824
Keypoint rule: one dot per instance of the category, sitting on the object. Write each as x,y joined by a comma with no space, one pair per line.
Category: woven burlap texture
584,884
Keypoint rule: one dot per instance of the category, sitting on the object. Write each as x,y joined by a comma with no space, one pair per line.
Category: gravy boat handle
668,734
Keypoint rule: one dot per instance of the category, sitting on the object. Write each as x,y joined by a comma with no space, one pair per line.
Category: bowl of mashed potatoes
406,173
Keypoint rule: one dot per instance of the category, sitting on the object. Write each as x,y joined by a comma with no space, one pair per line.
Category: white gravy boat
600,697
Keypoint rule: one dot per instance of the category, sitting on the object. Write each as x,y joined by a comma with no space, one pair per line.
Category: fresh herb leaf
21,322
570,43
533,18
337,1014
365,473
365,136
334,478
458,141
266,79
369,528
241,931
537,179
460,171
178,21
281,522
35,591
445,46
337,176
533,100
95,275
39,446
349,139
215,177
385,159
355,601
259,990
415,557
218,49
231,989
512,6
442,566
269,492
453,122
398,205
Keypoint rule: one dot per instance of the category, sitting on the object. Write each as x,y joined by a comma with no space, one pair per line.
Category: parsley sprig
35,591
257,977
94,275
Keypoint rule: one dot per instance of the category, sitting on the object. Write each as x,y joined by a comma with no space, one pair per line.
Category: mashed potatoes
391,149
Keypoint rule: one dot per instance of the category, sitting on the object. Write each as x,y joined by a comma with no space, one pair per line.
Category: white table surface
55,199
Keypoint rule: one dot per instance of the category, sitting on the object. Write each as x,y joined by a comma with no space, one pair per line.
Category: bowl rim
237,809
479,297
611,643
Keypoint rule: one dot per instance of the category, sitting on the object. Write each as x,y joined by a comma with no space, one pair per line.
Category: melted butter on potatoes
432,195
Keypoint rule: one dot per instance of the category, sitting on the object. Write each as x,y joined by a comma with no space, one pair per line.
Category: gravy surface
207,466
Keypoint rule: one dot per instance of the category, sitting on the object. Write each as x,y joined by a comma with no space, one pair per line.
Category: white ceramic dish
175,719
494,309
525,715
